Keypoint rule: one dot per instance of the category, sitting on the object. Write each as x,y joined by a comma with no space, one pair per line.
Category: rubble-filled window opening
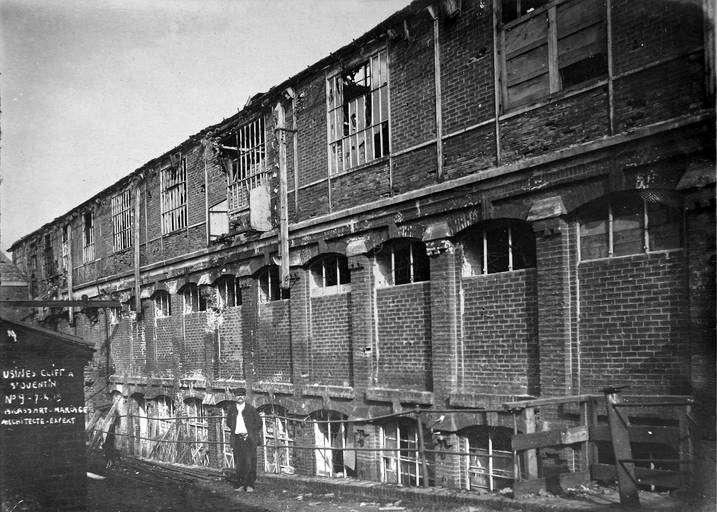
162,304
244,159
50,269
278,438
330,274
122,220
400,463
331,439
490,465
630,225
198,432
228,293
193,300
401,262
358,114
550,46
174,194
498,246
270,286
88,237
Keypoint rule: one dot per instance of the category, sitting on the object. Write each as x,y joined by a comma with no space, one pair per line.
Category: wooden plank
531,456
582,45
531,90
639,434
622,450
685,449
553,51
525,35
550,438
95,416
575,16
527,66
644,476
522,404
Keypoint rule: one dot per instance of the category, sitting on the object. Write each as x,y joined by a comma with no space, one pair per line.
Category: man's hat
240,392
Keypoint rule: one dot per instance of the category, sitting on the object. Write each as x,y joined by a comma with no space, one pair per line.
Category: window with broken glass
358,114
162,304
630,225
330,274
498,246
244,159
270,286
122,220
228,292
193,300
401,262
550,46
174,195
88,237
50,269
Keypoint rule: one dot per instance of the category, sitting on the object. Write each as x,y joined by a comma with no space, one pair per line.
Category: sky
91,90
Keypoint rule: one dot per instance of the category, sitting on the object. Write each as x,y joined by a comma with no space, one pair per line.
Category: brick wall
359,187
500,332
404,337
633,323
231,342
331,344
194,326
273,345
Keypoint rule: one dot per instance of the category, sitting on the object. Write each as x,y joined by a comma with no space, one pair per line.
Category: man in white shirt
245,424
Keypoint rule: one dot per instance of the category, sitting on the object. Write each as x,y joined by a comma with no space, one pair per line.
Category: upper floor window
88,237
498,246
228,293
193,299
270,286
66,247
357,102
122,220
401,262
162,304
329,274
49,257
629,225
550,46
244,161
174,194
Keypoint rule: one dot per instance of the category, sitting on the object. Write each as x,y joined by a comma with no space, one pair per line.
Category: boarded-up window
548,47
629,225
122,220
88,237
357,102
245,166
174,195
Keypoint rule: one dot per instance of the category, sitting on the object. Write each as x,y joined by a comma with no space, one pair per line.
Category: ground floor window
400,462
278,440
490,464
226,437
197,433
331,440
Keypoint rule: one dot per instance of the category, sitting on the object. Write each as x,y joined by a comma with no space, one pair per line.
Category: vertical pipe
439,102
422,448
610,90
283,198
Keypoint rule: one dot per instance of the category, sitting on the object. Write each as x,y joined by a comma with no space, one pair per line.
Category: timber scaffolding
601,447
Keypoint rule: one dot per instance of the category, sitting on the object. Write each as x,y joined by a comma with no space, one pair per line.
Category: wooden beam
550,438
62,303
626,480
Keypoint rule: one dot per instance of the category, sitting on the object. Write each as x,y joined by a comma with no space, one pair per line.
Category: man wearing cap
244,423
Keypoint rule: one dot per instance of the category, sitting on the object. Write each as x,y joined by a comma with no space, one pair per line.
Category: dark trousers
245,460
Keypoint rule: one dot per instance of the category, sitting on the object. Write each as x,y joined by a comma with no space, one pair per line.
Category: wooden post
685,450
626,480
422,449
531,456
588,418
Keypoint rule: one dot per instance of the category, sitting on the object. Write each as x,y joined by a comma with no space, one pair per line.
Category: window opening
88,237
162,422
490,465
550,46
402,262
629,225
228,293
331,439
278,440
174,195
245,167
49,257
193,300
198,431
227,447
498,246
162,304
401,463
331,271
66,247
358,114
270,286
122,220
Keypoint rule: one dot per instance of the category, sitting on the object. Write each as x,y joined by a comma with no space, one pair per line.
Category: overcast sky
93,89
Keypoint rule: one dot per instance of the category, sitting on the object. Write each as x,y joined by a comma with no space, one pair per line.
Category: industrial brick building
476,202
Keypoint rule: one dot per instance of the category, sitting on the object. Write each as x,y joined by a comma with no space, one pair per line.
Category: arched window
401,463
401,262
331,439
270,285
160,413
228,295
498,246
630,224
490,465
193,300
162,304
198,433
278,438
330,274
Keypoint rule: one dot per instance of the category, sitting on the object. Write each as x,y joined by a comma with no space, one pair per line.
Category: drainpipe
283,196
439,104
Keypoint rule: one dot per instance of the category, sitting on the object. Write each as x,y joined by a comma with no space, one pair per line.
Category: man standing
244,423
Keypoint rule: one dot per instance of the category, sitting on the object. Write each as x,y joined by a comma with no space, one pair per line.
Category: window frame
193,300
222,287
552,61
407,455
471,463
88,236
173,196
270,289
319,280
162,301
362,122
122,220
277,460
385,268
246,168
483,230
